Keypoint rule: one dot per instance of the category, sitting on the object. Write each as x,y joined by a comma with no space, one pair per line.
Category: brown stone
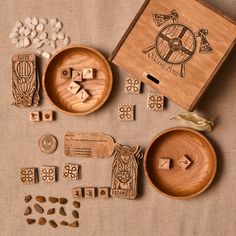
42,221
28,198
27,211
30,221
75,214
76,204
41,199
53,199
63,200
38,208
52,223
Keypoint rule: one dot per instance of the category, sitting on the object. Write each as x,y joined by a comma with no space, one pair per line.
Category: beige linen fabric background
101,24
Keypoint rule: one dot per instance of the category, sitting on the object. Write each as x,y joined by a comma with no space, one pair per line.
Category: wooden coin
47,143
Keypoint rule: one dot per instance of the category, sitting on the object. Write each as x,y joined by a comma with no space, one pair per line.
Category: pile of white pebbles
45,36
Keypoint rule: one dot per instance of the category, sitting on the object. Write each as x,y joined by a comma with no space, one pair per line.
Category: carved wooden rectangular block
126,112
104,192
77,75
132,85
155,102
47,115
73,87
184,162
89,192
175,51
34,116
28,175
66,73
82,95
78,192
88,73
164,163
48,174
71,171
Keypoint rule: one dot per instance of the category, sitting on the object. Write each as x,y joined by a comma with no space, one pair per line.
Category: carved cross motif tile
184,162
71,171
132,85
155,102
28,175
48,174
126,112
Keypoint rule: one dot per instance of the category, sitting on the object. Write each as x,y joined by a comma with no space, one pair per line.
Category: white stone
36,40
13,35
39,52
53,44
21,43
26,42
40,27
15,30
39,44
31,26
35,20
61,35
22,30
54,36
28,20
43,21
33,34
27,31
43,36
14,40
58,25
46,55
47,41
18,45
56,30
66,40
19,24
53,21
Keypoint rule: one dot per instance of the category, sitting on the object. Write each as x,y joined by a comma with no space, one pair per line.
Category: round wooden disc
48,143
77,58
177,182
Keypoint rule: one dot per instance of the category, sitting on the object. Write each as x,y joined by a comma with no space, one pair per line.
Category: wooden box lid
176,46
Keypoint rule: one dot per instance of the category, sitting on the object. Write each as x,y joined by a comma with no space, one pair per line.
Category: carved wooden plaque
81,144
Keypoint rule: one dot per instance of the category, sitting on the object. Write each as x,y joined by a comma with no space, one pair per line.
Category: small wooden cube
66,73
88,73
89,192
126,112
77,75
164,163
184,162
74,87
34,116
71,171
155,102
103,192
82,95
78,192
132,85
47,115
28,175
48,174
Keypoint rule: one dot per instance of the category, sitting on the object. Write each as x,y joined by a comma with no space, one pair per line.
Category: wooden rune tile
78,192
77,75
47,115
132,85
126,112
184,162
104,192
88,73
82,95
65,73
164,163
155,102
89,192
34,116
71,171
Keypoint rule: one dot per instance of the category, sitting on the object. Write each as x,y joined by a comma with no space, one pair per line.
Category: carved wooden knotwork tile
155,102
28,175
126,112
71,171
48,174
132,85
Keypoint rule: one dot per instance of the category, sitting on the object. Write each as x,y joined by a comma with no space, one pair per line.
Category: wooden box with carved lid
176,47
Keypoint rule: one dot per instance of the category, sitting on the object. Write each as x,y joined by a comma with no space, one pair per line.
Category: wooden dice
184,162
88,73
164,163
66,73
73,87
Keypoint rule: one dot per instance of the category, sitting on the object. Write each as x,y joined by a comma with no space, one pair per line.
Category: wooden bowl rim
108,89
198,134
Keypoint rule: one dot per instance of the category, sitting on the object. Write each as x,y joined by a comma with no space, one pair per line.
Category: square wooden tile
132,85
155,102
34,116
103,192
28,175
48,174
184,162
47,115
77,75
88,73
126,112
78,192
74,87
71,171
65,73
89,192
82,95
164,163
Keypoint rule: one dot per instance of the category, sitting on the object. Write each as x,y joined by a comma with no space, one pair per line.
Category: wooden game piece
47,115
88,73
25,80
77,75
124,182
71,171
164,163
48,174
34,116
184,162
89,192
132,85
74,87
83,144
47,143
126,112
82,95
28,175
103,192
155,102
66,73
78,192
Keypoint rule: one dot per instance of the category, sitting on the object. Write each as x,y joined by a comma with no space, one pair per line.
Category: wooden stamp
47,143
73,87
78,192
132,85
47,115
77,75
25,80
66,73
126,112
184,162
125,171
89,192
155,102
88,73
164,163
48,174
34,116
28,175
104,192
71,171
82,95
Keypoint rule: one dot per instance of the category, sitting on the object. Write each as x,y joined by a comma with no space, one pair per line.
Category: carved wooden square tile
88,73
164,163
184,162
89,192
155,102
82,95
77,75
66,73
48,174
78,192
34,116
47,115
132,85
28,175
103,192
126,112
71,171
73,87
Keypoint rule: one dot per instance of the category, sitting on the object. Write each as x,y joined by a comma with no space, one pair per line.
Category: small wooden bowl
177,182
77,57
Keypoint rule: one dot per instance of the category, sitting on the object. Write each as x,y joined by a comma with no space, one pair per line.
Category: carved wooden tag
125,171
25,80
80,144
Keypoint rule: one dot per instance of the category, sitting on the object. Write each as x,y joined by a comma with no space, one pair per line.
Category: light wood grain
77,57
176,182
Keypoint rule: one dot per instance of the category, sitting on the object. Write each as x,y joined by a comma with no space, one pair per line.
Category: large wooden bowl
177,182
77,57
